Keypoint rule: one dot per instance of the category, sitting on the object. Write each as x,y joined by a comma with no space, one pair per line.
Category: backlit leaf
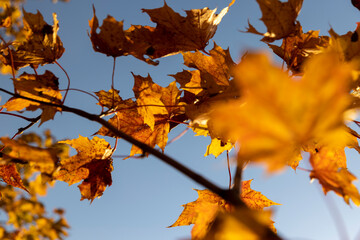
92,164
329,167
279,18
173,33
276,115
43,87
42,44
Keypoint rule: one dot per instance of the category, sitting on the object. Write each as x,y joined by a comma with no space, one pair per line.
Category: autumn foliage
270,114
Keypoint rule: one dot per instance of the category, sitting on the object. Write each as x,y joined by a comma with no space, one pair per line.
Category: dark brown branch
227,195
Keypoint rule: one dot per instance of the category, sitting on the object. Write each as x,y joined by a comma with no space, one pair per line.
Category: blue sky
146,195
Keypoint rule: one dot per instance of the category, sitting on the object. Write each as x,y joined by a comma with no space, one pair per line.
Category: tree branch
227,195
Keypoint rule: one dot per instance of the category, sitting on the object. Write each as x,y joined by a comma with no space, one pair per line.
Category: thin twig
229,170
68,78
178,136
19,116
112,82
79,90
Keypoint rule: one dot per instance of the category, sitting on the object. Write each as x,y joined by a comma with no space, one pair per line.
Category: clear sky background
146,195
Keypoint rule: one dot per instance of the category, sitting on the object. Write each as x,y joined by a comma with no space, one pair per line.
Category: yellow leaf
216,147
227,226
276,115
329,167
201,212
41,159
204,211
254,199
148,98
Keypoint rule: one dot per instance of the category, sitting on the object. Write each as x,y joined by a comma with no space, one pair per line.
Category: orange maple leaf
11,176
254,199
43,87
92,164
329,167
129,121
203,212
110,99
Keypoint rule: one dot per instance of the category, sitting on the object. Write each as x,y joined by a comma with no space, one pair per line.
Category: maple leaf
41,159
348,45
42,44
276,115
148,97
43,87
279,18
294,50
183,33
129,121
212,74
227,226
109,99
207,85
92,164
329,167
111,40
254,199
203,211
172,34
11,176
216,147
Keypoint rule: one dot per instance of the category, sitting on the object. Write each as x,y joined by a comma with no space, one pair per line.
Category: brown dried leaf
294,50
42,44
279,18
172,34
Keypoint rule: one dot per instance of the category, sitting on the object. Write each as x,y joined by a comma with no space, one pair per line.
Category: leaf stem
68,78
79,90
19,116
228,166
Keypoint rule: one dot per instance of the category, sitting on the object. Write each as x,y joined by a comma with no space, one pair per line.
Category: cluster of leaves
25,217
272,114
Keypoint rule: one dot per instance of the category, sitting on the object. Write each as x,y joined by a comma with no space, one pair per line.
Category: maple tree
302,108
